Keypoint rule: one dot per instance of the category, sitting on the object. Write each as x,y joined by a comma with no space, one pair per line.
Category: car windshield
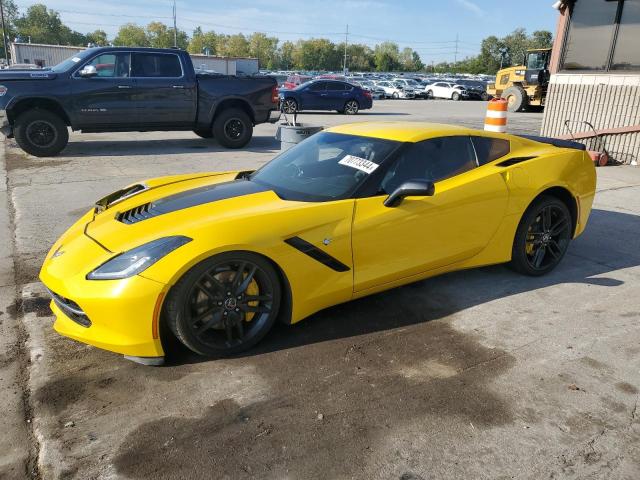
326,166
70,62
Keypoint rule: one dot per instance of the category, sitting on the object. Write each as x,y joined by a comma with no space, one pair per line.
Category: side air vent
136,214
512,161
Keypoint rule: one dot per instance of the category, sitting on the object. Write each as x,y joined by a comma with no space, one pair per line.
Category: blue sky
429,26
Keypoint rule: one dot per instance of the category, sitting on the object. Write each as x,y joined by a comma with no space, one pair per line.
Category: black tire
395,95
430,94
289,105
209,309
41,133
542,238
484,96
233,128
517,99
204,133
351,107
455,96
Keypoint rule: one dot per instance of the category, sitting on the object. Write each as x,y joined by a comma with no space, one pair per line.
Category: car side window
111,65
490,149
318,87
434,160
160,65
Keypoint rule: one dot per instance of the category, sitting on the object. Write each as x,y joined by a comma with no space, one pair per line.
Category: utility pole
346,40
4,34
175,27
455,58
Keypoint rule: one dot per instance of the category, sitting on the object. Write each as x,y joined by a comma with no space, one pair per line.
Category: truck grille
136,214
71,309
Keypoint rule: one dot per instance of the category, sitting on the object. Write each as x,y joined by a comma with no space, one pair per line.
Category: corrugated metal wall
607,101
50,55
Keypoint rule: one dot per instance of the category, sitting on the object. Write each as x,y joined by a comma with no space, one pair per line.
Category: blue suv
326,95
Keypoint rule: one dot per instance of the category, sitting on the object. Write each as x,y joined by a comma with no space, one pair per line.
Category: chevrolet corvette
215,259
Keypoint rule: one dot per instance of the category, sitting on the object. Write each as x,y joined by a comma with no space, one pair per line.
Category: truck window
156,65
110,65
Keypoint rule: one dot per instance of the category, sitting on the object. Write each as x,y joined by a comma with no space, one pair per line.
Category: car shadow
118,148
605,247
360,113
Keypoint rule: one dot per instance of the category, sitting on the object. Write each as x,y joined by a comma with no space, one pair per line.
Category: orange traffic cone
496,119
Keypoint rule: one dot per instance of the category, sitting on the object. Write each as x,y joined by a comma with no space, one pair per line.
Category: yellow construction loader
525,85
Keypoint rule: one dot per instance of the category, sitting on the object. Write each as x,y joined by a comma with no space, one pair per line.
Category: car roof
404,131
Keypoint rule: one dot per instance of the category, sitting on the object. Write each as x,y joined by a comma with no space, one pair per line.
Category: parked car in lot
121,89
446,90
294,81
391,90
409,84
215,259
375,91
475,89
326,95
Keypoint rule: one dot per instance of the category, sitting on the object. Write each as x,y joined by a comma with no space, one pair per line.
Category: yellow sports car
217,258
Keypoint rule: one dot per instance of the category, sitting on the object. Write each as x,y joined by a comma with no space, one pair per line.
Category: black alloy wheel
543,237
233,128
41,133
225,304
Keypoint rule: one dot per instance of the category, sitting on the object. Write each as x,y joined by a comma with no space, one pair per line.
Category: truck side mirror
88,71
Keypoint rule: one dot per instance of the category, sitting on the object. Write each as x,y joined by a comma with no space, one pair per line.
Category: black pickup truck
121,89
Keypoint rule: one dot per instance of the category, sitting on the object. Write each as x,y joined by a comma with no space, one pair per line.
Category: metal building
595,75
49,55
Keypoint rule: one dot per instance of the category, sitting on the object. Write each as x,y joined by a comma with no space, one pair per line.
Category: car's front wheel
430,94
455,96
542,237
351,107
41,133
225,304
289,105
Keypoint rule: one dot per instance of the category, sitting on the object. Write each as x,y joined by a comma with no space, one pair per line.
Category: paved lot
481,374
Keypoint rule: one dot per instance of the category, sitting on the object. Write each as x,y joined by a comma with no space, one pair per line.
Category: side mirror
88,71
412,188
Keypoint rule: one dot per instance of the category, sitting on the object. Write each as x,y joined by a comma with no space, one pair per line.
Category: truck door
105,99
164,95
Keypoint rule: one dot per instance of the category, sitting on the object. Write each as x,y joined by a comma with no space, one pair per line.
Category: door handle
124,86
323,94
177,86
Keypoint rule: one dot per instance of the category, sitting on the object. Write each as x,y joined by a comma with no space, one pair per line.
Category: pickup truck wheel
233,128
204,133
41,133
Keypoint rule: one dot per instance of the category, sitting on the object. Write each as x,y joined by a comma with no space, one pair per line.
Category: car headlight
137,259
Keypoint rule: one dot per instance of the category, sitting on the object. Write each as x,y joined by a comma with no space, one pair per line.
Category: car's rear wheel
351,107
225,304
289,105
204,133
542,237
395,95
430,94
41,133
484,96
233,128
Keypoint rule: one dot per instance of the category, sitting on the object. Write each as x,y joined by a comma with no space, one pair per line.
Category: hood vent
136,214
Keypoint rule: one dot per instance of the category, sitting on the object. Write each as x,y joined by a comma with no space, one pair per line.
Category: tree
132,35
161,36
286,54
10,16
359,57
43,25
541,39
203,43
386,56
317,54
234,46
98,38
417,62
264,49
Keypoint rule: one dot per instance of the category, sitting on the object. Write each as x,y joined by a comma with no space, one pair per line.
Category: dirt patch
18,161
37,305
333,404
626,388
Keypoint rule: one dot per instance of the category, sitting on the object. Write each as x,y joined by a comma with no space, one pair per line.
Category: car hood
27,75
178,207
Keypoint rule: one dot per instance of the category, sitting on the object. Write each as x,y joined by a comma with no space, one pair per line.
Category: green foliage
132,35
42,25
98,38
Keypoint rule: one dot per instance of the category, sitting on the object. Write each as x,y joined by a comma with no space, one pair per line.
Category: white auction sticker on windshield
361,164
76,59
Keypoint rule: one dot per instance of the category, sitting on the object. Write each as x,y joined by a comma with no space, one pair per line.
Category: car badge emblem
58,252
230,303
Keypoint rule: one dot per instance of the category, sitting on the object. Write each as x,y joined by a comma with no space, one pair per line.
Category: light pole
4,34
